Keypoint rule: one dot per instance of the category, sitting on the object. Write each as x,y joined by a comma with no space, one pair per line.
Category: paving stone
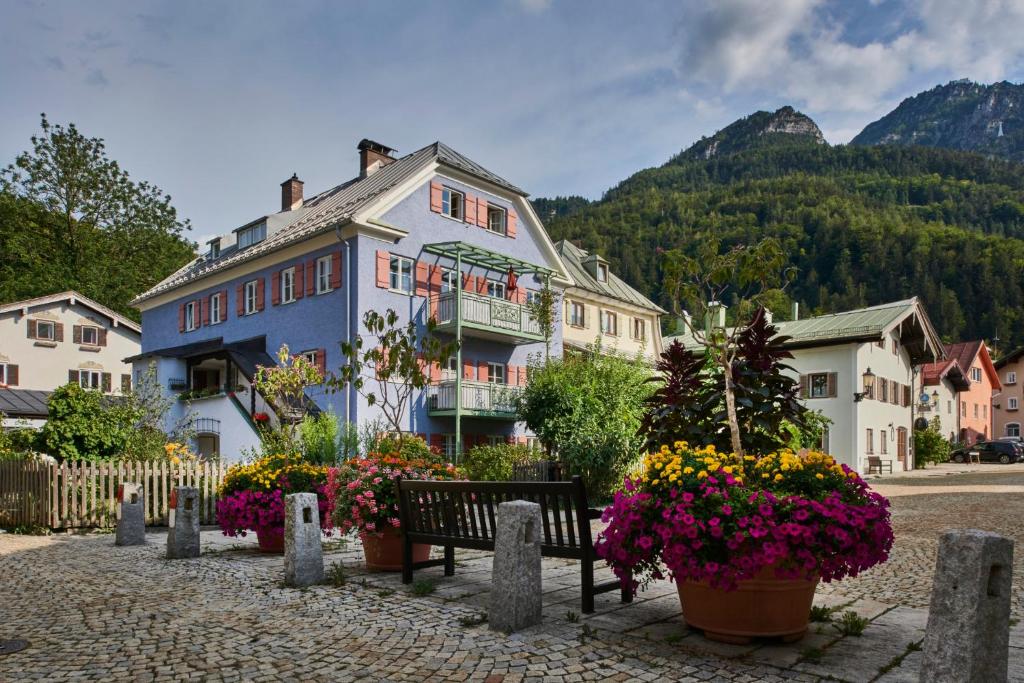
861,658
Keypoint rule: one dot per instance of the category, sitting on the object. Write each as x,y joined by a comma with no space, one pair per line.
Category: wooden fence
84,494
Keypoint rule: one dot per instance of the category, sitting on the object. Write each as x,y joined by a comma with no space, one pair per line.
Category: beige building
52,340
602,309
1008,404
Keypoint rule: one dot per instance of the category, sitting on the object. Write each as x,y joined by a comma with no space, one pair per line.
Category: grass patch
812,654
819,613
28,530
473,620
335,575
673,638
851,624
423,587
898,659
572,617
385,592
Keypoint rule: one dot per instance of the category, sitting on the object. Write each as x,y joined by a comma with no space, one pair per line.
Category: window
452,203
496,289
215,312
401,274
323,274
90,379
496,373
975,410
870,447
533,443
577,312
309,357
1011,403
532,298
449,373
602,272
883,442
883,391
639,329
495,439
448,281
90,335
881,343
190,319
984,410
44,330
818,385
949,407
1012,429
214,249
449,445
288,285
609,323
963,408
250,296
895,347
3,373
252,235
1011,378
496,219
975,374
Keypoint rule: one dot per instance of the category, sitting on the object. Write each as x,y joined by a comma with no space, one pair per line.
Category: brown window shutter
126,383
833,379
300,280
275,288
12,375
224,305
803,386
76,330
105,378
261,293
73,376
906,397
240,300
204,305
31,329
58,332
321,361
310,277
336,270
101,337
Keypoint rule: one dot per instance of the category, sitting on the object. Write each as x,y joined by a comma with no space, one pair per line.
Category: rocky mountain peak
762,128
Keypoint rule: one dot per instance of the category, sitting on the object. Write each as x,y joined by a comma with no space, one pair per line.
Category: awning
485,258
24,403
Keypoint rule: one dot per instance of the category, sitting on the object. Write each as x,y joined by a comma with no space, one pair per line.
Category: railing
477,397
206,425
490,312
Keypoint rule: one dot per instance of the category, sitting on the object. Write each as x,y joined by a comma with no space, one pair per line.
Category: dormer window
251,235
214,249
602,272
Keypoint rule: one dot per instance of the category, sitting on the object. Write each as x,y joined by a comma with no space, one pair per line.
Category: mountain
863,225
962,115
762,128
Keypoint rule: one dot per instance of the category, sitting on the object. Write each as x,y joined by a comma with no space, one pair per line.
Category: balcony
489,318
479,399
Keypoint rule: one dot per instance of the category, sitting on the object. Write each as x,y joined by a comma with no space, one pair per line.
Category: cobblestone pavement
92,611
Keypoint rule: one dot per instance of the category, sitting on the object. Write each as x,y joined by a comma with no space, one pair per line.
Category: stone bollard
303,555
183,520
516,577
968,633
131,515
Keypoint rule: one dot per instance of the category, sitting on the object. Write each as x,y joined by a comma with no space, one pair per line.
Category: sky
217,103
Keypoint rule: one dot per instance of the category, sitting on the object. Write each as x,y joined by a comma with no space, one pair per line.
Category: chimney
291,193
373,156
715,318
795,312
768,317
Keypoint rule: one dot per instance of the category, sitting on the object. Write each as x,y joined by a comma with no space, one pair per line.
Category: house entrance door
901,447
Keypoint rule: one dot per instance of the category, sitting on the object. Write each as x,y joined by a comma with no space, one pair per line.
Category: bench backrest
464,513
874,460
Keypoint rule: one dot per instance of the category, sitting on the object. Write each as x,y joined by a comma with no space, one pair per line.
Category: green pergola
471,254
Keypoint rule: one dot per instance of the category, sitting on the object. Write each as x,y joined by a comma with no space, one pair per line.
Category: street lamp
869,385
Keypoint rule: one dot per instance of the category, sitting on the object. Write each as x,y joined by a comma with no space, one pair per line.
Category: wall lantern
892,432
869,385
935,398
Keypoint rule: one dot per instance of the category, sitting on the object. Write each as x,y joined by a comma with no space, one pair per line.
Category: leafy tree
586,410
82,423
930,446
71,218
544,309
284,385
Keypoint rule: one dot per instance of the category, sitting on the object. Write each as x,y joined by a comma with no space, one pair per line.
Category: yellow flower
779,477
819,475
687,470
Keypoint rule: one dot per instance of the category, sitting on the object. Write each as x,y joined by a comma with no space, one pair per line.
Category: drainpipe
458,355
347,394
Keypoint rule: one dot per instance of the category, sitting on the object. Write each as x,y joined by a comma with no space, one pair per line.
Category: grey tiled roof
322,211
615,287
24,403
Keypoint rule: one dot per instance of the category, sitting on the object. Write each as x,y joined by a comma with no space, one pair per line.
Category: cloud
535,5
96,77
55,63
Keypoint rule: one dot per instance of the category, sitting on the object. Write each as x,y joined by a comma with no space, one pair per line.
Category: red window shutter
484,373
524,375
435,372
310,277
437,441
511,375
511,223
261,293
467,283
336,270
31,329
468,369
521,295
58,333
77,331
275,288
470,209
435,196
206,308
521,440
101,337
73,376
383,269
481,284
300,281
223,305
321,361
422,279
240,300
105,379
435,279
481,212
12,375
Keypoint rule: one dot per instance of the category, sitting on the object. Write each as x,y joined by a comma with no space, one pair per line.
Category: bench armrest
594,513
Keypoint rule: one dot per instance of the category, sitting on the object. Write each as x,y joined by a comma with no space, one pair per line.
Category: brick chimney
291,193
373,156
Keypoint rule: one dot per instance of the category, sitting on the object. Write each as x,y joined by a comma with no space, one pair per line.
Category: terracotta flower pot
762,607
383,550
271,540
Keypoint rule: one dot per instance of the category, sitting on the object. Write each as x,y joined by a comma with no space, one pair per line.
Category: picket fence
84,494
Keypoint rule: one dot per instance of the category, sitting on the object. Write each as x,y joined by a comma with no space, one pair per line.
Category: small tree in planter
286,385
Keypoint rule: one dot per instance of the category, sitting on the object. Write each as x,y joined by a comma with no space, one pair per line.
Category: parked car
1004,452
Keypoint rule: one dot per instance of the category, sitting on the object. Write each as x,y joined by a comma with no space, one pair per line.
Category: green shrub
82,423
930,446
494,463
319,438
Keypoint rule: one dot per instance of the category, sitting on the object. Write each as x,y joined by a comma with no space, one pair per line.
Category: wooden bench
462,514
876,463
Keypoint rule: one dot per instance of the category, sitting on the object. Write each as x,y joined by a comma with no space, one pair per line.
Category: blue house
393,237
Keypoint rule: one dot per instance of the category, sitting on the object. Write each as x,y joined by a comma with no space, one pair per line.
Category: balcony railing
489,315
482,399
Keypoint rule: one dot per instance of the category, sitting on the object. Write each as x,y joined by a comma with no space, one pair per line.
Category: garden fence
84,494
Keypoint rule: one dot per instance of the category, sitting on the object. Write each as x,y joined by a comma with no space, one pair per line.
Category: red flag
512,280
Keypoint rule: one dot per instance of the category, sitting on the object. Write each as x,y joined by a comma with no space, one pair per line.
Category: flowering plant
252,494
261,417
177,453
721,518
363,491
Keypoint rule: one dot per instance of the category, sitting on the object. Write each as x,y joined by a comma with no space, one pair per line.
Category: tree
284,385
77,221
929,445
544,309
400,358
702,282
81,424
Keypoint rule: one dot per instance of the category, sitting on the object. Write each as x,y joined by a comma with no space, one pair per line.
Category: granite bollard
183,523
516,577
303,555
968,633
131,515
